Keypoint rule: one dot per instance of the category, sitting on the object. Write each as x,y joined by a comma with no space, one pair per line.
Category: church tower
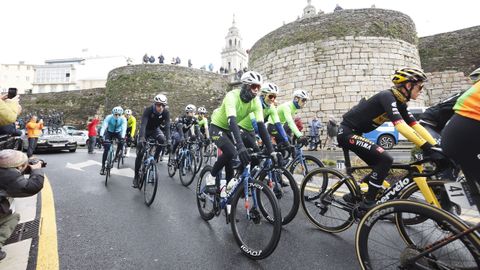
233,55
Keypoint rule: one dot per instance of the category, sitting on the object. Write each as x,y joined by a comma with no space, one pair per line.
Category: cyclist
286,113
187,126
131,128
236,106
248,126
203,125
113,126
460,136
154,119
387,105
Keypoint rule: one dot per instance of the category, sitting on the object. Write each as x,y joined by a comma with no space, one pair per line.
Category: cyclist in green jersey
131,128
286,113
203,124
248,126
236,106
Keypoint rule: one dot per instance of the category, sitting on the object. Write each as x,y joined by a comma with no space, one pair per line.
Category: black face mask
245,94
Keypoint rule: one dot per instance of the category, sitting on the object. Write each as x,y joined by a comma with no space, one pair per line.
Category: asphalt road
111,228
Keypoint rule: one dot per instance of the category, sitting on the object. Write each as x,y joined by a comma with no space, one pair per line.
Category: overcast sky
36,30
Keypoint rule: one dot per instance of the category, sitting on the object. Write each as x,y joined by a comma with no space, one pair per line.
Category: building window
27,78
230,42
67,75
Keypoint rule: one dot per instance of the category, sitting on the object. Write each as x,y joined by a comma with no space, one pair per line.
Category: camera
12,92
34,161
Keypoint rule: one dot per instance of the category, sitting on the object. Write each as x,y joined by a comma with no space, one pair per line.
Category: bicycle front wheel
286,191
187,168
171,166
150,184
108,166
256,236
205,201
299,169
379,243
198,159
322,196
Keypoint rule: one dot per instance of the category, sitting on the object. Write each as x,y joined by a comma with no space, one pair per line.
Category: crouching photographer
13,183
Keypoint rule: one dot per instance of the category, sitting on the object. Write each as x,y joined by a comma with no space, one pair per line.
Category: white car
56,140
80,136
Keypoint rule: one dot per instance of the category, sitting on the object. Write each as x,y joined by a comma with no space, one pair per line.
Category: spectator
315,127
9,109
332,130
177,61
10,129
145,59
92,133
189,63
13,164
210,67
173,61
221,70
337,8
152,59
161,59
34,130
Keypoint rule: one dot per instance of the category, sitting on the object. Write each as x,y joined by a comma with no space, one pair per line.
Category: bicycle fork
425,189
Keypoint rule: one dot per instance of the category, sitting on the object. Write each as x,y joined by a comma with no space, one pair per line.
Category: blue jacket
113,125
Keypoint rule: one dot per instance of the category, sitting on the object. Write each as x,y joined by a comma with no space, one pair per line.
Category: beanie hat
12,158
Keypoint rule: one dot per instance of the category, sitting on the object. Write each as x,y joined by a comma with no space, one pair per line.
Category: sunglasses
420,86
304,100
255,86
271,96
159,104
116,114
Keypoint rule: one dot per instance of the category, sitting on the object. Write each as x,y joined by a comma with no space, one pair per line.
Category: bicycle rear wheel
186,169
321,194
199,159
379,243
150,184
205,201
288,197
256,236
171,166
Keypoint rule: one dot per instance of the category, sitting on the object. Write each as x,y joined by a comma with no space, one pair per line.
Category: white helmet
128,112
160,98
202,110
252,77
475,75
190,108
301,94
269,88
117,110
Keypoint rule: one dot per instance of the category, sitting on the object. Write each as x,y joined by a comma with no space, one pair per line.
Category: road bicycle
323,190
441,241
298,163
110,162
148,176
184,161
251,209
210,153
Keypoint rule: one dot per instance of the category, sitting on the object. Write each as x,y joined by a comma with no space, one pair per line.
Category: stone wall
441,85
458,50
77,106
135,86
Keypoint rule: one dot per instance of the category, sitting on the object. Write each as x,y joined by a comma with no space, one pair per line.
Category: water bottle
223,184
231,184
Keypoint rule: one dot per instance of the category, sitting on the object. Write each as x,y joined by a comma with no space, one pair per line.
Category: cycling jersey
185,124
438,115
384,106
232,105
286,111
468,104
152,120
114,125
203,123
132,125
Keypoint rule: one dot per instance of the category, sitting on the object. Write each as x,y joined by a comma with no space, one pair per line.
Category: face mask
245,94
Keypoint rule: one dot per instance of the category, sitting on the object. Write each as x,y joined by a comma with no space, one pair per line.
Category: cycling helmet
408,75
128,112
117,110
252,77
160,98
475,75
301,94
190,108
269,88
202,110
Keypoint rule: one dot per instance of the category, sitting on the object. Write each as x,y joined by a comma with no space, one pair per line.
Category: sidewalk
18,252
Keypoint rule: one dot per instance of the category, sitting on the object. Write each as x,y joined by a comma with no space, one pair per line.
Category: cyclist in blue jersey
114,126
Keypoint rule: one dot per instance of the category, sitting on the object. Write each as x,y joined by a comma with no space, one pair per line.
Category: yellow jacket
8,112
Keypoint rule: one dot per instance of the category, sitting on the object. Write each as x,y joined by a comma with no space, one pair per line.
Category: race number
459,193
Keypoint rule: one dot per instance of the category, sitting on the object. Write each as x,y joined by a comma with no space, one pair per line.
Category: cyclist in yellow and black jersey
131,128
387,105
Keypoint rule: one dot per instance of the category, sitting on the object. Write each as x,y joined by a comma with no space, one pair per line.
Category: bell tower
233,55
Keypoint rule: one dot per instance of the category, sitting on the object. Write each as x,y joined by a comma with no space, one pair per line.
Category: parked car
385,135
60,140
80,136
70,129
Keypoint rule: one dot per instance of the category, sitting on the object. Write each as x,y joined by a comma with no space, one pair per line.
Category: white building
233,55
74,73
18,75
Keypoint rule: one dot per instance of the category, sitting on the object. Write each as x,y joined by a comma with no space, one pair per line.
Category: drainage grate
24,231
